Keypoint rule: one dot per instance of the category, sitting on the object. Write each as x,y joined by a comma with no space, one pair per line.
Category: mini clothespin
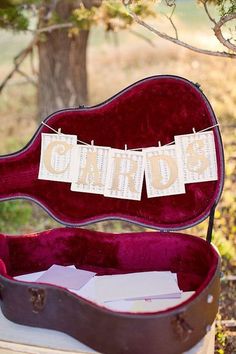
59,131
126,147
194,131
92,144
159,143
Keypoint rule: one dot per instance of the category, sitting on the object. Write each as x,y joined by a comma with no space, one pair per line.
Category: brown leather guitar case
151,110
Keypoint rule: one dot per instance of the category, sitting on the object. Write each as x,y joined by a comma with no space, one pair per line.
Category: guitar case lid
151,110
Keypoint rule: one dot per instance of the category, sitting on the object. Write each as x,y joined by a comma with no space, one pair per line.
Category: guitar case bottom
155,109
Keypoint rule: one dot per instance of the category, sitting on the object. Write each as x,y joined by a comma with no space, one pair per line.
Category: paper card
32,277
198,155
55,159
91,162
148,305
163,171
130,286
90,290
66,277
125,173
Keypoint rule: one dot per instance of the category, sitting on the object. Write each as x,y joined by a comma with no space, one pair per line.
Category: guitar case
154,109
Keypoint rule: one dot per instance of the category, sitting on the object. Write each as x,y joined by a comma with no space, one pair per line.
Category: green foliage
115,16
221,336
22,3
14,215
226,6
225,223
15,14
84,18
225,247
13,18
112,14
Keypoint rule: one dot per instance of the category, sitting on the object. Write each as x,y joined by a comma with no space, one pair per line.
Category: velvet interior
152,110
193,259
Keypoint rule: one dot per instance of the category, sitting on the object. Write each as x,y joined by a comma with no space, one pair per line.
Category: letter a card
124,174
198,155
91,162
55,159
163,173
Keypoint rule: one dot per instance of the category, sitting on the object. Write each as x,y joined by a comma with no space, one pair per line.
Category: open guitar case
151,110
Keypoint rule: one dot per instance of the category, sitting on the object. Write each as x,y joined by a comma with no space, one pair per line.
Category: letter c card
55,158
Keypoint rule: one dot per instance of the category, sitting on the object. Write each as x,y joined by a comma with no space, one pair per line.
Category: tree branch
218,33
32,64
217,26
204,2
28,78
54,27
178,42
18,60
140,35
172,4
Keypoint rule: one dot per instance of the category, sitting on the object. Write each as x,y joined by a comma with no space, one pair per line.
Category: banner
118,173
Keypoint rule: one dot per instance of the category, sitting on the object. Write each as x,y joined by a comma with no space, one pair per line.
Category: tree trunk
62,66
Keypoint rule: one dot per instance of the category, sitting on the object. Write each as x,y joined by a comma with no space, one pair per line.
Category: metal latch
37,298
181,328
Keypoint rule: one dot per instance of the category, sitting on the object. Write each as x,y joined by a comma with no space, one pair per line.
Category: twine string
135,149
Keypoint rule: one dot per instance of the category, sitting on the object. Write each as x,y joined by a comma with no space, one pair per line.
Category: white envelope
131,286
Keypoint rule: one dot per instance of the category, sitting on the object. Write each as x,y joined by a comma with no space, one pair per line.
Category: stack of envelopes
137,292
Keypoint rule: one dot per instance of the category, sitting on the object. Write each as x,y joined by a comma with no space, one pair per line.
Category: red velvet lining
152,110
111,254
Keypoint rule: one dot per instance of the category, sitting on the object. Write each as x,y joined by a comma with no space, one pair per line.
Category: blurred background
117,57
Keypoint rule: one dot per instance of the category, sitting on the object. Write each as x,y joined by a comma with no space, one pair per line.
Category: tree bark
62,65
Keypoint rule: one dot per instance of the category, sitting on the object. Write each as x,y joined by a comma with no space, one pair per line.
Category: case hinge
196,84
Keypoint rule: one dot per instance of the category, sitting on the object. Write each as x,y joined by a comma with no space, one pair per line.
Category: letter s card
198,155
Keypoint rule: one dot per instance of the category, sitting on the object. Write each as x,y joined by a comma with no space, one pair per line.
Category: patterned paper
124,174
197,152
55,159
163,172
91,163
